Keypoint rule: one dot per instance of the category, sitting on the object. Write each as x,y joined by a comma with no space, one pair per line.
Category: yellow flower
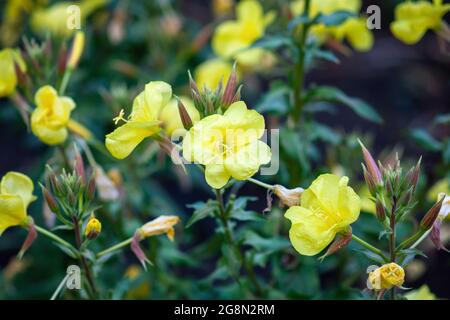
326,208
423,293
171,119
50,118
232,37
93,228
387,276
8,77
16,193
143,121
228,145
160,225
413,19
354,29
57,19
211,72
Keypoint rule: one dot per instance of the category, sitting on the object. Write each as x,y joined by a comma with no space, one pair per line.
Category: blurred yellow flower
141,290
423,293
161,225
353,29
77,50
16,193
228,145
326,208
211,72
8,78
232,37
50,118
143,121
413,19
171,119
12,20
387,276
93,228
57,18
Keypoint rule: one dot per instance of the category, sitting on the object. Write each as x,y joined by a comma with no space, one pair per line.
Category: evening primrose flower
228,145
16,193
387,276
57,18
143,121
232,37
50,118
327,208
171,119
8,78
211,72
353,29
413,19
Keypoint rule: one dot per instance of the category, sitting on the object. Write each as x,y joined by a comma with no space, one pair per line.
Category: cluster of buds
391,188
69,195
209,102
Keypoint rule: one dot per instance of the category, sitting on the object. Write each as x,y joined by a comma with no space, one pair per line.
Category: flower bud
387,276
77,50
93,228
339,243
380,210
184,115
50,200
431,216
31,236
371,165
79,165
162,224
413,175
230,89
288,197
90,190
370,182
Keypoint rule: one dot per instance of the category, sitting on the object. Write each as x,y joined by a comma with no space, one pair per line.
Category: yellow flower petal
149,103
16,183
122,141
216,175
12,211
8,78
309,233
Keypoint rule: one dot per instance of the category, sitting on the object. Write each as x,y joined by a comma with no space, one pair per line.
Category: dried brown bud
288,197
431,216
340,242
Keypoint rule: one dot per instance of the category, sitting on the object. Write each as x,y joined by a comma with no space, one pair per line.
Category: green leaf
202,211
331,94
425,140
409,255
335,19
275,101
301,19
272,42
232,259
325,134
372,256
266,244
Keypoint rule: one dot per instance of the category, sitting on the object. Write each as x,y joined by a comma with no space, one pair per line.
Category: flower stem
59,288
65,81
261,184
370,247
299,72
115,247
392,239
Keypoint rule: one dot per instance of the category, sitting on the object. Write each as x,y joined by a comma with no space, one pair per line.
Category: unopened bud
50,200
76,51
380,210
413,175
90,190
288,197
230,89
370,182
31,236
184,115
79,165
340,242
93,228
371,165
193,85
431,216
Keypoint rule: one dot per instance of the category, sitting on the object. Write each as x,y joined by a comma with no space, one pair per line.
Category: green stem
59,288
413,239
370,247
229,238
392,240
299,73
57,239
115,247
65,81
423,237
261,184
